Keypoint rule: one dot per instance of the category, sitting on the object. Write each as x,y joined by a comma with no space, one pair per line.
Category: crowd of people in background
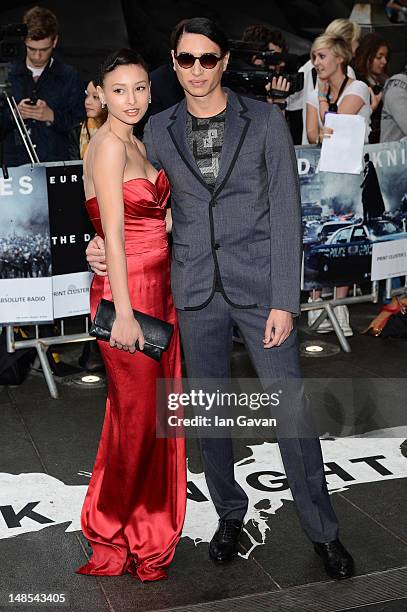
61,115
346,72
24,256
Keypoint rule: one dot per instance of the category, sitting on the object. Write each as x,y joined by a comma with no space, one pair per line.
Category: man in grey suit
236,261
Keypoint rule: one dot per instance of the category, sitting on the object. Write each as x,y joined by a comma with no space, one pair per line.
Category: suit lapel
177,131
236,126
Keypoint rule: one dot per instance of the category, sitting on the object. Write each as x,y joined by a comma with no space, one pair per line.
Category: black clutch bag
157,333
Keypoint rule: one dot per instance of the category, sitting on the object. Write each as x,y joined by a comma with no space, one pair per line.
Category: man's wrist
281,105
50,117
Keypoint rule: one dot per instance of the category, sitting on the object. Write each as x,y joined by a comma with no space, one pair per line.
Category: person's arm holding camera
280,84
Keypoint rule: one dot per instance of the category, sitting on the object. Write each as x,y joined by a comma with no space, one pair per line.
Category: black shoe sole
222,562
217,561
335,577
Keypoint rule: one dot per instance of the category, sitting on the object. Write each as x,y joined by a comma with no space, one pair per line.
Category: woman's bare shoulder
106,142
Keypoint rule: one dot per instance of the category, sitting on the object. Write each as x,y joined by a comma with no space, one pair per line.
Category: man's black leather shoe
224,545
338,562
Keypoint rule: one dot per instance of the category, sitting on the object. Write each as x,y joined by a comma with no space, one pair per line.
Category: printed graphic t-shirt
205,139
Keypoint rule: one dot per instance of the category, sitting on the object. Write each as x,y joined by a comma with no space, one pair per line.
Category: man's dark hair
124,57
205,27
41,23
263,34
278,39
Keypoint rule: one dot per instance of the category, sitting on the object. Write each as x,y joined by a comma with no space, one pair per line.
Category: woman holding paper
337,93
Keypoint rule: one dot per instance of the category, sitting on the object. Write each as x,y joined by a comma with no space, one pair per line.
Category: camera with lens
253,66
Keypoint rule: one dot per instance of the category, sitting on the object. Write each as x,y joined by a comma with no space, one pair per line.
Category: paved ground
48,448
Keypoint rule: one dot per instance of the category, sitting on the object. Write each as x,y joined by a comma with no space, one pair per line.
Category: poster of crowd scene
344,214
25,246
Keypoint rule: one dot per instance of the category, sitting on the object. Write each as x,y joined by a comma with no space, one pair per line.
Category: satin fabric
134,508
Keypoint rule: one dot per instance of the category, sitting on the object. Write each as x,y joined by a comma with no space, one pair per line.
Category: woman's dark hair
365,53
200,25
124,57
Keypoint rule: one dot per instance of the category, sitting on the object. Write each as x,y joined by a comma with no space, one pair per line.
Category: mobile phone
30,102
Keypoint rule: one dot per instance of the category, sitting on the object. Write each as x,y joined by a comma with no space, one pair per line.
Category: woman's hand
168,221
375,99
126,332
325,132
323,86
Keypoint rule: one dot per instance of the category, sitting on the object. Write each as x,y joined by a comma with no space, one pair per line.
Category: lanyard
333,106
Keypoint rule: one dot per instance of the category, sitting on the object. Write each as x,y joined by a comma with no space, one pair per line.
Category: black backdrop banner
71,231
70,227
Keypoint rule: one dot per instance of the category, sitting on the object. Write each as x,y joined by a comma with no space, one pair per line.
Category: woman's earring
103,104
149,99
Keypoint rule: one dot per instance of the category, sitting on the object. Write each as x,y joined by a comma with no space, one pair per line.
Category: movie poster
71,231
344,215
25,248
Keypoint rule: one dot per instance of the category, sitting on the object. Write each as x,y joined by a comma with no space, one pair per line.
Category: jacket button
216,246
213,203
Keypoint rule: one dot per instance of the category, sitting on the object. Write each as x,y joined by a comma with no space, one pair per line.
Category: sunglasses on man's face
207,60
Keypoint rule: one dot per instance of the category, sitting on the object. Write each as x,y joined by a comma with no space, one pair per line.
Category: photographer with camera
49,94
273,40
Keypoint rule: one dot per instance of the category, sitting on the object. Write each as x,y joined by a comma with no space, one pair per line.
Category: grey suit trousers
207,341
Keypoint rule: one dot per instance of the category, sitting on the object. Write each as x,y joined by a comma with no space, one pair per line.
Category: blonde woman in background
331,55
350,31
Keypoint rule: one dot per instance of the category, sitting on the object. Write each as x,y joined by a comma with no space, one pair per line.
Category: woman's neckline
136,178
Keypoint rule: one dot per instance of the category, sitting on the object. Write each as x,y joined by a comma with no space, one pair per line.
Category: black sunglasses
207,60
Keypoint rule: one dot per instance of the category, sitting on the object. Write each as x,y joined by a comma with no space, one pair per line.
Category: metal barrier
41,345
327,306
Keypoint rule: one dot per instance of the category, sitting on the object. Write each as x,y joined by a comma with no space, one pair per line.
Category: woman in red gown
135,504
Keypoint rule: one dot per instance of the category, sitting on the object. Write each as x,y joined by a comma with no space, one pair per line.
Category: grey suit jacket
249,225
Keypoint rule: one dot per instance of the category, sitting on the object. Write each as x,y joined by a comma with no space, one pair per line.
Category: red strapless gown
134,508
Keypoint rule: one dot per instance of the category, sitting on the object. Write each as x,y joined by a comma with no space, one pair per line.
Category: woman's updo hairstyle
336,44
124,57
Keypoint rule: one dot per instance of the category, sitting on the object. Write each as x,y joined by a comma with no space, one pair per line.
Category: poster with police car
345,215
71,231
25,247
